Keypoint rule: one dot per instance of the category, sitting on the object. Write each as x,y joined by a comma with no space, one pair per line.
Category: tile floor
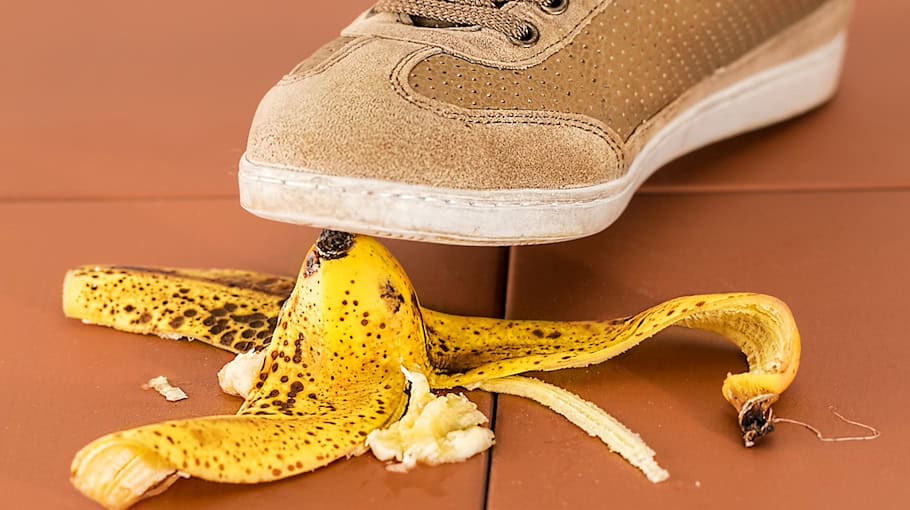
121,128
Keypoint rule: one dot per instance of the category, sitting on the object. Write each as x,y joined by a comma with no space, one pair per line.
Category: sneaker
490,122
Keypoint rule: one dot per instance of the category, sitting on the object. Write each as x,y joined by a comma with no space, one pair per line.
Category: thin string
874,433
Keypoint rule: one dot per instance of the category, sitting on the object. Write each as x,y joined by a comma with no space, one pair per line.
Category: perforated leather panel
628,63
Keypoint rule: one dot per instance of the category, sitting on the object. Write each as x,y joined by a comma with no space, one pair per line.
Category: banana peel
334,343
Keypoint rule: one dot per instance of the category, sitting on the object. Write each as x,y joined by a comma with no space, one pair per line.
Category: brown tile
143,99
854,142
840,261
66,384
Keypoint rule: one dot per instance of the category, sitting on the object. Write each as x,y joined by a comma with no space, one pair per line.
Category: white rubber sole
515,217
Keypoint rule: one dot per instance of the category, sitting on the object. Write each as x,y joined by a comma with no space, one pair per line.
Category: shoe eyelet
554,7
529,37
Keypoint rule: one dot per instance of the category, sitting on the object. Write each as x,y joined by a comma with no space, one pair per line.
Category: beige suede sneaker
527,121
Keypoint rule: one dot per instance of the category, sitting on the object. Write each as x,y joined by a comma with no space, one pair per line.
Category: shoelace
482,13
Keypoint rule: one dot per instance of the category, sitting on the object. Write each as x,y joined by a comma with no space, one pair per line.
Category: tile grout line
667,190
506,278
494,407
111,199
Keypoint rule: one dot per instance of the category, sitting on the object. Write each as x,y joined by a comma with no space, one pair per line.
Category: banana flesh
334,344
434,430
239,377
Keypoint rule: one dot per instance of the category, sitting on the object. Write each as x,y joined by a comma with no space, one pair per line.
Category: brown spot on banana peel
311,264
392,296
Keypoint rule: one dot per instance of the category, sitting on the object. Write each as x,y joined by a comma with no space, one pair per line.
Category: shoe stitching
516,117
459,202
327,63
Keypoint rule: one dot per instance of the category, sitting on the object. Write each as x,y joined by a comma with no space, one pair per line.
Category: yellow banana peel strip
467,351
587,416
334,348
233,310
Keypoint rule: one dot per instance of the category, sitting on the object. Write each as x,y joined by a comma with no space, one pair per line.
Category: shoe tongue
424,22
420,21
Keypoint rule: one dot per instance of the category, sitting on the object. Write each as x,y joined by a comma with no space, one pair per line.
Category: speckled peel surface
233,310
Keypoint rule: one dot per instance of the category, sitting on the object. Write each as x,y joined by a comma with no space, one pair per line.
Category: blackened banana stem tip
756,419
333,244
